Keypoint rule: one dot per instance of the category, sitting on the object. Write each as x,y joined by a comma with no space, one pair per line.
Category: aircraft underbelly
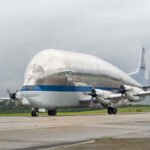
48,99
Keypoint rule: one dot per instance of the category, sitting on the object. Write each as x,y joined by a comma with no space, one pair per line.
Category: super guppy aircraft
62,79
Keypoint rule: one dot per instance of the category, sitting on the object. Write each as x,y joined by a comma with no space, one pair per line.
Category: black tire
114,110
109,110
52,112
34,114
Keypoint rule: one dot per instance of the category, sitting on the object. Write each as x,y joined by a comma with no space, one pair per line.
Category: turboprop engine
109,98
102,96
132,93
106,98
126,93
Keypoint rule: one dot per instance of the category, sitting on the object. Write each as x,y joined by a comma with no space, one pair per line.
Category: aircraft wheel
35,112
109,110
114,110
52,112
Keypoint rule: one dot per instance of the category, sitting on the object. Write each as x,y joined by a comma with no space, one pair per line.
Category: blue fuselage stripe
64,88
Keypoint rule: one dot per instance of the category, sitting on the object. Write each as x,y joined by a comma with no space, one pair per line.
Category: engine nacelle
130,93
103,93
103,96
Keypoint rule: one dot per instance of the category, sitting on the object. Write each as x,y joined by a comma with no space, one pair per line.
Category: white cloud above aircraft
62,79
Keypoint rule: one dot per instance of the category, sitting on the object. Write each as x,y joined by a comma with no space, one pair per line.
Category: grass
120,110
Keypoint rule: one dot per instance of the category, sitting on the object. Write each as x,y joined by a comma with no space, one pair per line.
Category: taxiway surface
46,132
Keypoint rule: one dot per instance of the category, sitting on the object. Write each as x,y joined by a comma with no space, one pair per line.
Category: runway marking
56,145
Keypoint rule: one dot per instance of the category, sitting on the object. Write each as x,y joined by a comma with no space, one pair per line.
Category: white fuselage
59,79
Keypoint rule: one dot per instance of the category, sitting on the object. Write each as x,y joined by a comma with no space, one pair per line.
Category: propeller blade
12,95
92,94
8,91
122,90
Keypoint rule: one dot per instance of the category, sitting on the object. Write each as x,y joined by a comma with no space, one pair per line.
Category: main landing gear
52,112
35,112
112,110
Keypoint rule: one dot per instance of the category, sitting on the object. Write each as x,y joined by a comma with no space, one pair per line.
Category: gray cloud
113,30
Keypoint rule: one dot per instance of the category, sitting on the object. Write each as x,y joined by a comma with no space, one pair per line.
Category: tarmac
44,132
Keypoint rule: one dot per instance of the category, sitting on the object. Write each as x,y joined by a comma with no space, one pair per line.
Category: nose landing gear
35,112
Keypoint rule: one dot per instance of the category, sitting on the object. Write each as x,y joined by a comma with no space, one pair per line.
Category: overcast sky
114,30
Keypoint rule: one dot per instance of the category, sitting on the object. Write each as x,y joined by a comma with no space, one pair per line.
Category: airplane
63,79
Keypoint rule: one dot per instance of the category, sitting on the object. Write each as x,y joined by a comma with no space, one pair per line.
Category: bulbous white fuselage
59,79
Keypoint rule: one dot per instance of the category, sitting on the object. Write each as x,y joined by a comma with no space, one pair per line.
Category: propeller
122,90
93,94
12,97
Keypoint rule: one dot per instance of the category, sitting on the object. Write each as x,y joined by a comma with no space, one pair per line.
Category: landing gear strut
112,110
35,112
52,112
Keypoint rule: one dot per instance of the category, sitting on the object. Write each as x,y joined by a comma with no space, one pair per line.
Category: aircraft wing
107,97
119,96
145,93
115,97
4,99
